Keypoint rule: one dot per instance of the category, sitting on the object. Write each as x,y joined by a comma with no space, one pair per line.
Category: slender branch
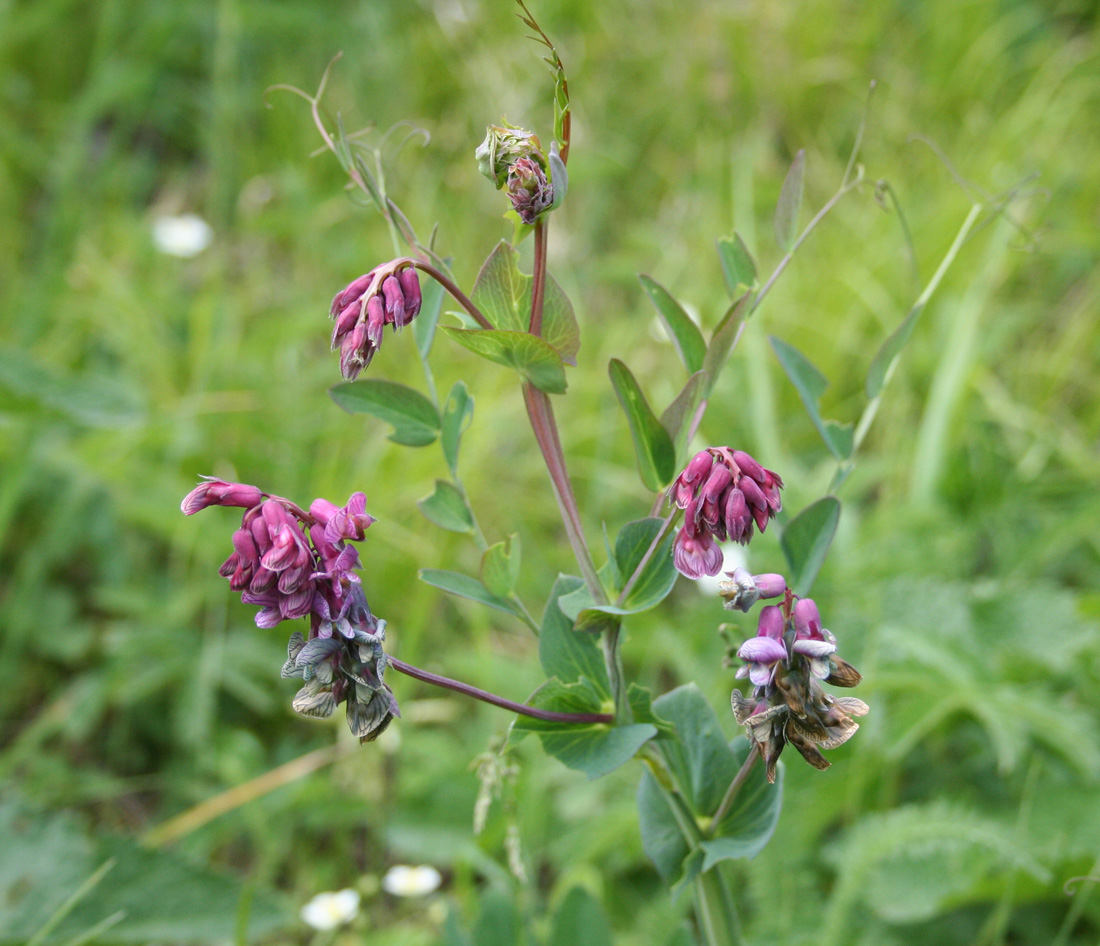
459,296
735,786
782,265
486,697
538,286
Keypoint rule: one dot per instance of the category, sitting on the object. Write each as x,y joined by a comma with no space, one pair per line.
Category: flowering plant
701,799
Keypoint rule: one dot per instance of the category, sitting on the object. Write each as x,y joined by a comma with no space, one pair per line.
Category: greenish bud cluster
503,146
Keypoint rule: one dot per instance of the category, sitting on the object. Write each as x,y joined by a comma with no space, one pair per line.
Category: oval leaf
414,418
738,267
806,539
447,508
532,357
458,411
811,384
724,338
500,567
652,444
681,328
677,416
790,202
465,586
886,358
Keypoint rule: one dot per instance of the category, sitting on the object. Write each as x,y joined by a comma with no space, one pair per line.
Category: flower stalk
486,697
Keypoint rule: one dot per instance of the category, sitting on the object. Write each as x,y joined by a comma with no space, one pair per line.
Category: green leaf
654,583
447,508
592,748
580,921
681,328
811,384
724,338
465,586
886,358
431,301
659,574
738,268
790,202
678,415
652,444
591,621
806,539
641,706
503,294
500,567
662,839
562,652
458,411
704,764
414,418
532,357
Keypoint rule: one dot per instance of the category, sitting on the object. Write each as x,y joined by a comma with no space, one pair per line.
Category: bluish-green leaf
738,268
532,357
724,338
580,921
591,621
592,748
503,294
677,417
811,384
458,411
652,444
886,358
682,329
414,418
662,839
641,707
790,202
806,539
431,301
465,586
500,566
447,508
564,653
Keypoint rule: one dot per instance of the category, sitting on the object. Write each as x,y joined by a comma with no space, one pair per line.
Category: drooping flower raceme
293,563
723,493
387,295
786,662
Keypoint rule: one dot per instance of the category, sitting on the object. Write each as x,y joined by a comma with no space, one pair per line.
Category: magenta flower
293,563
387,295
695,556
724,493
763,652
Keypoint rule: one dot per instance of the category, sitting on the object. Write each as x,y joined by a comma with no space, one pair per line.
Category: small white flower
405,881
329,910
185,236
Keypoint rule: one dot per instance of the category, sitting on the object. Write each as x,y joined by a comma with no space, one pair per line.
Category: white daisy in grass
331,909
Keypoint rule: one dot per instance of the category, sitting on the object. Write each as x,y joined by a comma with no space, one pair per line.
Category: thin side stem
782,265
657,539
735,786
459,296
486,697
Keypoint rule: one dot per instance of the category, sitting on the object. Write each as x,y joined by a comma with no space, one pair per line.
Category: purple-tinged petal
807,619
761,674
762,650
696,556
410,289
770,585
748,465
770,624
812,648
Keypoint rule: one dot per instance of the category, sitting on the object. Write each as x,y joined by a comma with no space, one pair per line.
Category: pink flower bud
216,492
770,585
770,623
748,466
738,520
807,620
395,300
410,288
376,320
353,291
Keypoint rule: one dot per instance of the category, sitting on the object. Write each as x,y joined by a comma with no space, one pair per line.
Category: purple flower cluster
294,563
387,295
723,493
786,662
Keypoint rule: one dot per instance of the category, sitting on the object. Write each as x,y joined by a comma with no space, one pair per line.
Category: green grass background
963,581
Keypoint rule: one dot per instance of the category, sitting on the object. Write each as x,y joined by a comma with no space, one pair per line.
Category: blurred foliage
963,579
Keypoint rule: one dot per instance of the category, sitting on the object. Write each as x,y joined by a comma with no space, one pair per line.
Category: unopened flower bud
503,146
215,492
529,189
394,298
410,288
